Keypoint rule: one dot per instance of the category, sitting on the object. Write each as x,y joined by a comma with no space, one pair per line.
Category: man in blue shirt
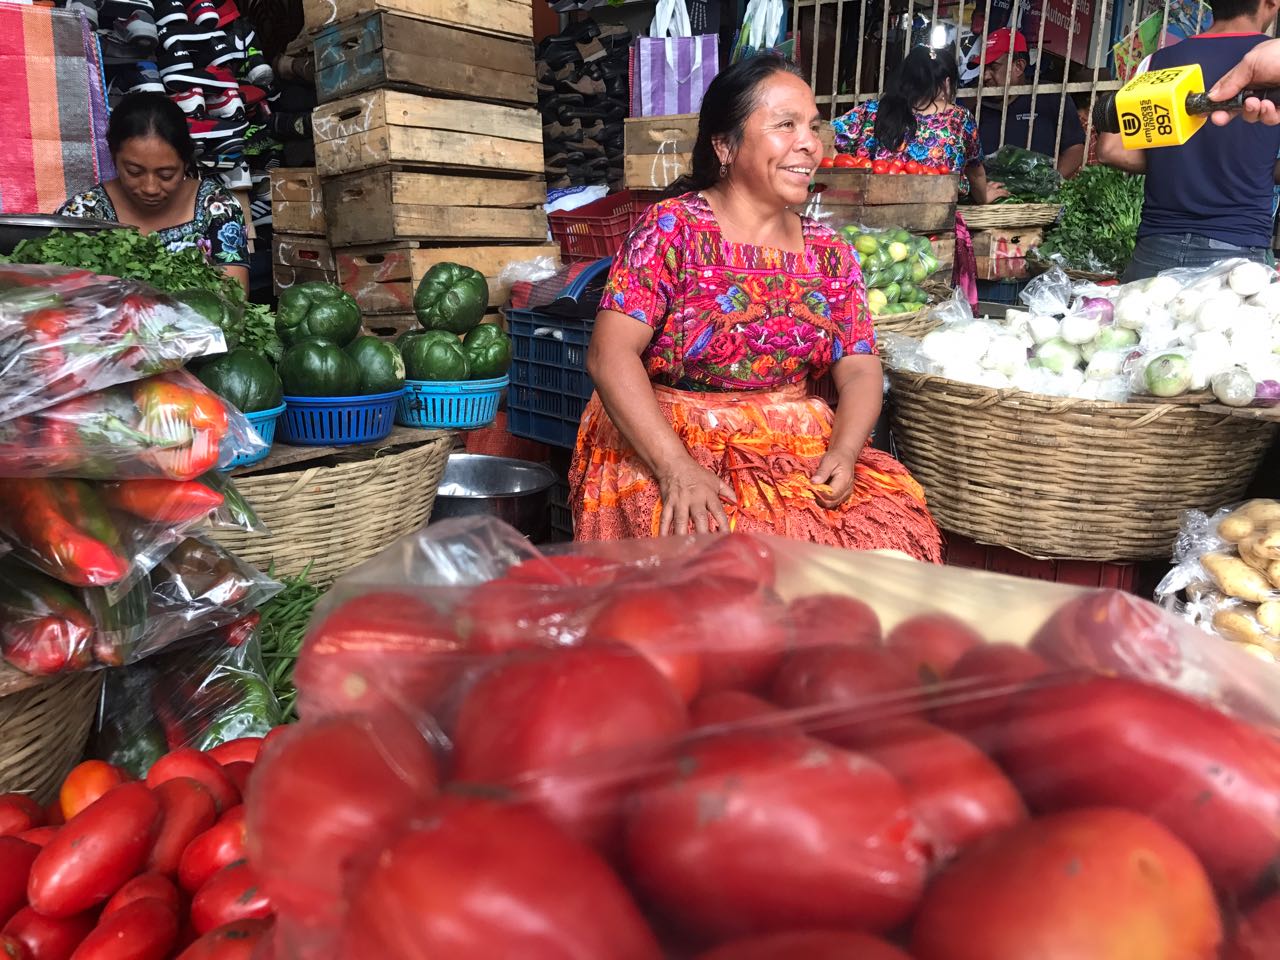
1209,199
1004,62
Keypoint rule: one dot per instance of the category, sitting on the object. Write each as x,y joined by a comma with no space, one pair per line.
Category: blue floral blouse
217,229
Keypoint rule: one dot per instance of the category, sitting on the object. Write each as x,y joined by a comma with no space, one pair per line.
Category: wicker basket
334,517
1063,478
915,324
43,730
991,216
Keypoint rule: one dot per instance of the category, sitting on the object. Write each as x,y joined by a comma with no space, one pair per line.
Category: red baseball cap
1000,42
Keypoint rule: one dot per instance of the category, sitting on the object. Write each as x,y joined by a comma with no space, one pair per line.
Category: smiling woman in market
720,307
159,190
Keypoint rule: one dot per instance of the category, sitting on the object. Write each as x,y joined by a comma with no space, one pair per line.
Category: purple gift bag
671,69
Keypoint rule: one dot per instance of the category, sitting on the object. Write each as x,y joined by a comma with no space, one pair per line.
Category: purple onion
1098,308
1267,393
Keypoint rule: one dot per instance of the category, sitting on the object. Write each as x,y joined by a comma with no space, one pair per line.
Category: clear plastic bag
210,690
1226,575
170,426
112,534
530,271
894,264
47,627
654,748
65,333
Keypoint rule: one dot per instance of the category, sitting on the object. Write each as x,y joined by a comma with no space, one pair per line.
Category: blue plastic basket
550,386
264,421
450,404
338,421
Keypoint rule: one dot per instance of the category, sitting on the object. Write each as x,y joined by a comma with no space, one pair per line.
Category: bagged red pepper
44,627
165,427
65,333
89,534
731,747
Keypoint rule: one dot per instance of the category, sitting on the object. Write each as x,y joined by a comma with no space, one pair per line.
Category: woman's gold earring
724,169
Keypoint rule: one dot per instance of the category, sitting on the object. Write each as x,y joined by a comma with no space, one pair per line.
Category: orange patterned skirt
765,445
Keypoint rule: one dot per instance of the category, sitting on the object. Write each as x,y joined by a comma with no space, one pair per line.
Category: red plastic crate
963,552
598,229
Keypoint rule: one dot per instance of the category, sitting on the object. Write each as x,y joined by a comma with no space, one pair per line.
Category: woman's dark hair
919,79
152,115
726,105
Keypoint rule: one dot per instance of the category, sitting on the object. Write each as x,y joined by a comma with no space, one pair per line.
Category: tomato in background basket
1112,884
16,857
1112,632
762,833
912,167
742,629
932,643
844,161
739,556
653,621
235,941
231,894
18,814
187,809
833,619
826,163
221,845
896,166
47,938
872,684
1257,933
142,930
881,166
481,880
980,688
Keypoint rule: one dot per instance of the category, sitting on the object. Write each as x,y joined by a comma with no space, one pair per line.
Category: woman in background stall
916,125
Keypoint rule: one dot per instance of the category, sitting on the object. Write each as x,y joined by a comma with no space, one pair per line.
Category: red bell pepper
163,501
44,629
64,529
179,411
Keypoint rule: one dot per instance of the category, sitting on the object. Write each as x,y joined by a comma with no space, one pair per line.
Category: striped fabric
53,111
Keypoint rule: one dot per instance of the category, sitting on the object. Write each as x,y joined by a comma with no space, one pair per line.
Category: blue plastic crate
264,421
549,382
338,421
453,405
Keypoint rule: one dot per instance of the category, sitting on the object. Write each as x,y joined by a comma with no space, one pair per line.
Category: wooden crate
383,278
504,18
297,205
919,204
944,248
657,150
393,127
384,204
299,259
389,326
390,50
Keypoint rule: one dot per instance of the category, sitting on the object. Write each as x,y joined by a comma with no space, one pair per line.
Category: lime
892,292
900,235
866,244
898,252
930,263
877,301
918,271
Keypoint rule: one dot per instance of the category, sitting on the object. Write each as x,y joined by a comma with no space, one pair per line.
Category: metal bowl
515,491
16,227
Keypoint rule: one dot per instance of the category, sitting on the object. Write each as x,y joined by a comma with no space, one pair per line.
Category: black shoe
217,51
617,88
558,57
583,31
289,126
177,69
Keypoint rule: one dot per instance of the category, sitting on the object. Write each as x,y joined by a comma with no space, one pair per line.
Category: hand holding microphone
1260,67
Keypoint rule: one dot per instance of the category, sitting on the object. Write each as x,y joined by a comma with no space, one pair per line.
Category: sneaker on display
177,70
142,77
202,14
89,8
237,178
109,11
290,126
217,51
226,105
192,103
215,137
228,12
171,18
138,31
255,68
222,77
254,96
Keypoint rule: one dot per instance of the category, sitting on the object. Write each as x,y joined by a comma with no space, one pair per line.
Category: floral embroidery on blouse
217,229
947,138
730,316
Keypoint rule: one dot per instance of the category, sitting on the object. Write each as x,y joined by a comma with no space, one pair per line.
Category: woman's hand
691,498
835,472
995,191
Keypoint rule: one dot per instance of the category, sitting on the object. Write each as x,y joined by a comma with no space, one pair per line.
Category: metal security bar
841,82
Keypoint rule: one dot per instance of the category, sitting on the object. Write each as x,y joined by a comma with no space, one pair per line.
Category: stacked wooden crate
300,248
428,144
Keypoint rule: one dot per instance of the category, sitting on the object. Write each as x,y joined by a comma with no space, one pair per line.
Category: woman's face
149,170
780,147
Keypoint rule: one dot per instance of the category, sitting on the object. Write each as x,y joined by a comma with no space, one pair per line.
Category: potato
1273,573
1234,527
1201,590
1261,512
1269,617
1253,559
1237,579
1239,624
1267,542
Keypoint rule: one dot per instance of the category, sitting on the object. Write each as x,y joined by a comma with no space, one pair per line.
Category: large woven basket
991,216
43,730
915,324
1064,478
334,517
